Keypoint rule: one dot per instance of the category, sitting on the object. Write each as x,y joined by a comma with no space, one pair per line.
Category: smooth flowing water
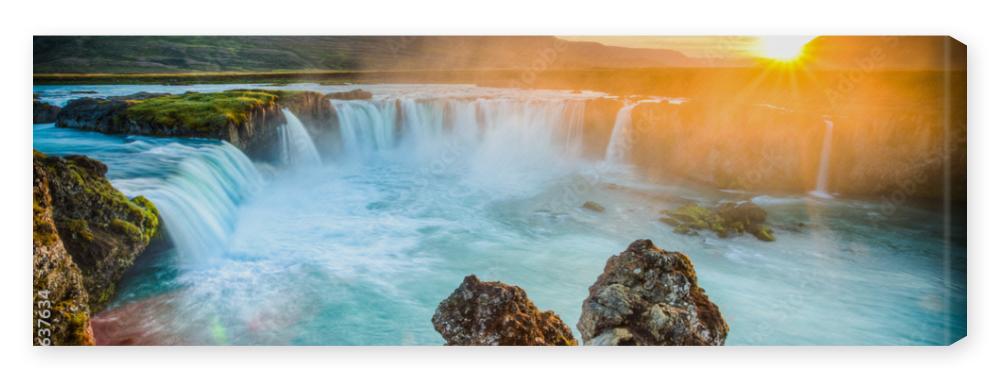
430,183
823,175
297,146
617,151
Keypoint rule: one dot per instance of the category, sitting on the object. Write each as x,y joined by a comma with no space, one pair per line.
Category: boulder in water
648,296
593,206
494,313
727,219
44,112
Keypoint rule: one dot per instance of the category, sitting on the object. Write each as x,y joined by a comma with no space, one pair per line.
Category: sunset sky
692,46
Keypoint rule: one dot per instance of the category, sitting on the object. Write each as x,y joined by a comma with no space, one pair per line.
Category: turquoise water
360,249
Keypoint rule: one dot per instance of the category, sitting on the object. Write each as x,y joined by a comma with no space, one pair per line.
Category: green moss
76,322
43,233
204,112
725,220
763,232
144,211
79,229
127,228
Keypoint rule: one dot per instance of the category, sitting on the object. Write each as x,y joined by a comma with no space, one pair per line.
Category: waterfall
823,175
198,201
507,142
468,125
296,144
621,137
365,126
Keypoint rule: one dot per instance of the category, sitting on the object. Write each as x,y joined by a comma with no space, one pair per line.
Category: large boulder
494,313
100,228
648,296
61,314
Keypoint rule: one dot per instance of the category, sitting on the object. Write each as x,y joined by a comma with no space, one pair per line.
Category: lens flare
781,48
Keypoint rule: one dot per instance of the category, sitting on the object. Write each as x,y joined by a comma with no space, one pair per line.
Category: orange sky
692,46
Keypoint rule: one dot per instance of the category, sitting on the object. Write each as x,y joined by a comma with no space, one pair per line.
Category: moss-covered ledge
247,118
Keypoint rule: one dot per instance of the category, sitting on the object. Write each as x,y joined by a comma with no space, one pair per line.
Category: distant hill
174,54
156,54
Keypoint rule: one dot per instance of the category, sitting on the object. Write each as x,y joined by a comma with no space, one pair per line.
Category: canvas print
499,190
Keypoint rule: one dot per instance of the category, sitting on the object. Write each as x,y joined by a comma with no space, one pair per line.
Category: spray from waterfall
296,145
616,154
822,178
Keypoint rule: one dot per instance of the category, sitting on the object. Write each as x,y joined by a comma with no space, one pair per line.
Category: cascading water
296,143
823,175
365,126
461,179
620,143
198,201
499,141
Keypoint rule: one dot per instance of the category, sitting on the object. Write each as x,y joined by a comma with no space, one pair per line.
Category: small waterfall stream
822,178
620,143
297,146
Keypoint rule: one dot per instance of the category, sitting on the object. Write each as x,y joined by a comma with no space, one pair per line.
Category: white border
972,22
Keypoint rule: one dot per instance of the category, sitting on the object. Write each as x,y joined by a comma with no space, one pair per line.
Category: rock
44,112
494,313
101,229
355,94
648,296
725,220
94,114
593,206
248,119
61,314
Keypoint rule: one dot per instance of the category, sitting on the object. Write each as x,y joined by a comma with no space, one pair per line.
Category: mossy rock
101,229
204,112
593,206
725,220
61,313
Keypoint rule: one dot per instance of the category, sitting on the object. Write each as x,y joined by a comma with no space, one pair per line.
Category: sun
781,48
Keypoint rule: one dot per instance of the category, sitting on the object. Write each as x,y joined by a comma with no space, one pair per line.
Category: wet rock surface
494,313
648,296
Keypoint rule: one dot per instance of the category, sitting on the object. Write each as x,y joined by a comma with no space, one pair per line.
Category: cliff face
86,235
60,302
874,151
248,119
